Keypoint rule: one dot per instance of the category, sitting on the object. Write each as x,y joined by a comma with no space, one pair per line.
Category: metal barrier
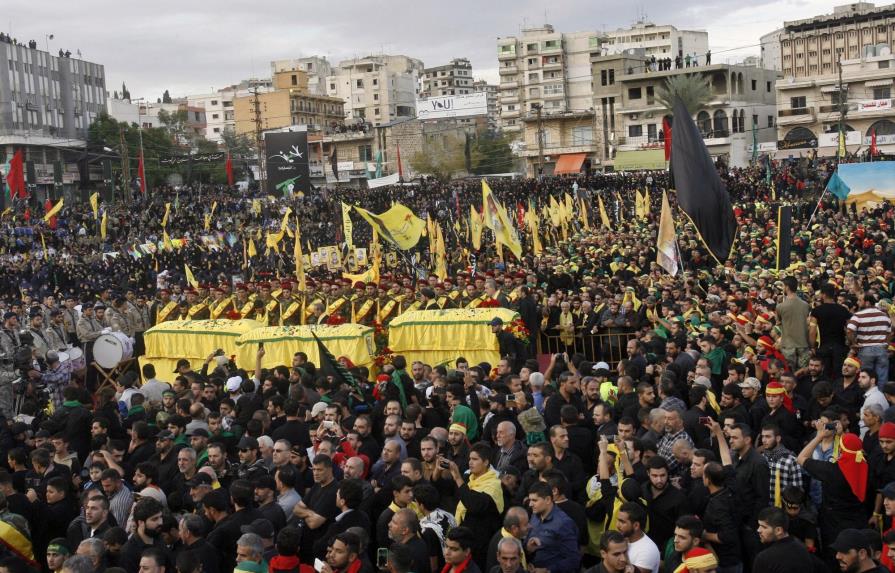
611,348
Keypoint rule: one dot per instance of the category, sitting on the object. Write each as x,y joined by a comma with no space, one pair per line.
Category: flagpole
816,207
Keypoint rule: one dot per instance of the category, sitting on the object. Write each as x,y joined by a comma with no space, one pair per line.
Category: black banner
797,144
288,167
198,158
784,236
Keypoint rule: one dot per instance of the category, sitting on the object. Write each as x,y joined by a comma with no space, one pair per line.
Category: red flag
666,127
16,177
400,167
229,167
520,214
48,206
873,150
141,173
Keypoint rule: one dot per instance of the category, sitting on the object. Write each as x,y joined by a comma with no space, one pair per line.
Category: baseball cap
888,491
849,539
265,482
247,443
165,435
318,409
496,321
183,362
263,528
199,479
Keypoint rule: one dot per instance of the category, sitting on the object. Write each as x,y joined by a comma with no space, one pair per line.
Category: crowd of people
725,418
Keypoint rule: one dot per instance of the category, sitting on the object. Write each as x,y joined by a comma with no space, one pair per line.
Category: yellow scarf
488,483
504,534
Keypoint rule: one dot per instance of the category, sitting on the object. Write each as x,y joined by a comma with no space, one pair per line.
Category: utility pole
843,107
125,164
538,109
259,140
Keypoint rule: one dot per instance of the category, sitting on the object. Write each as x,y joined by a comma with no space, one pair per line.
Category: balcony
508,55
514,98
554,95
551,49
509,114
508,70
509,85
794,112
795,116
548,66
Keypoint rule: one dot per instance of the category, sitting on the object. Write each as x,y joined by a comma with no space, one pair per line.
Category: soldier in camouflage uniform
9,342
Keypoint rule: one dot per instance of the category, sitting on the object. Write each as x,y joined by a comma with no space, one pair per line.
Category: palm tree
695,91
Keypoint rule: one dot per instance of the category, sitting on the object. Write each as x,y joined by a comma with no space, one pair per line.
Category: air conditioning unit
634,116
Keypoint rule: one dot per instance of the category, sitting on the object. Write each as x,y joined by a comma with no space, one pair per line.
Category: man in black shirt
293,429
318,508
781,552
148,528
828,320
404,529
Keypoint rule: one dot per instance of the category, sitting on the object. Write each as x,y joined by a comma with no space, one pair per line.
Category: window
197,116
214,102
651,132
550,44
650,95
553,89
214,116
534,92
332,87
375,81
375,97
882,93
798,102
376,111
634,93
533,77
532,61
531,47
770,121
611,77
755,119
754,85
635,131
604,77
365,152
582,135
294,80
217,130
359,84
768,86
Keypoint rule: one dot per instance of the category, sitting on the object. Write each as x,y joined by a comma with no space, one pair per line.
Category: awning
878,83
569,163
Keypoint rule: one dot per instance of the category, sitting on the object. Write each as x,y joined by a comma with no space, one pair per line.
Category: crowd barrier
607,347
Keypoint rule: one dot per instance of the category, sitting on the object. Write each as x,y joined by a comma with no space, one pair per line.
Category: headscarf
777,389
488,482
767,343
853,465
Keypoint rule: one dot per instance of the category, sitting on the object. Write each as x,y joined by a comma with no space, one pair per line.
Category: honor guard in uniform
290,305
9,342
198,306
163,308
90,326
141,318
243,304
339,304
428,300
318,315
366,307
452,292
182,312
271,305
221,304
48,304
313,297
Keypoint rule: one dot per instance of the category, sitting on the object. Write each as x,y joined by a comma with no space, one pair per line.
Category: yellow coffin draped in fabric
194,340
441,336
355,341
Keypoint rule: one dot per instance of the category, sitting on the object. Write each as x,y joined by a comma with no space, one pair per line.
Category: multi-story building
657,41
454,78
629,116
770,50
317,68
490,91
47,104
220,116
861,39
545,70
288,104
376,89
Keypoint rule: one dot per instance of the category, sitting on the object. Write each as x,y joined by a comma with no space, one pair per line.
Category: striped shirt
871,327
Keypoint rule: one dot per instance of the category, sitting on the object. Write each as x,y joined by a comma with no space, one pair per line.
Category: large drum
77,358
110,349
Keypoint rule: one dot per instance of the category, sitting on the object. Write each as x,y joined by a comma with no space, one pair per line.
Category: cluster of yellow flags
641,204
495,217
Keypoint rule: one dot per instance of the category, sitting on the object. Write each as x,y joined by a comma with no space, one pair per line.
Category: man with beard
568,394
147,533
165,459
782,552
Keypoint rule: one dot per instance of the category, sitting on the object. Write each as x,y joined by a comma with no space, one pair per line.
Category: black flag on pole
334,162
784,236
332,367
700,192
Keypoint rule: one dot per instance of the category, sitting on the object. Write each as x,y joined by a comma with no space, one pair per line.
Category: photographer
53,379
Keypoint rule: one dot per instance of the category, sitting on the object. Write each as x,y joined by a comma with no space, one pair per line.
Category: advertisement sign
796,143
452,106
43,173
288,166
874,104
832,139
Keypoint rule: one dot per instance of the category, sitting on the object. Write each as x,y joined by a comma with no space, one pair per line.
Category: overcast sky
193,46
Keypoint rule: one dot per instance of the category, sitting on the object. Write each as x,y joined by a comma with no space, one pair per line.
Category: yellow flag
555,212
189,276
166,241
535,232
621,207
347,225
666,248
273,240
94,204
604,218
52,212
399,225
102,227
207,221
284,224
569,208
299,262
495,218
582,213
165,218
43,245
256,206
440,254
253,251
475,226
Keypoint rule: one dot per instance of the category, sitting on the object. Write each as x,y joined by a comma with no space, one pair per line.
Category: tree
175,123
237,144
491,153
124,93
115,94
166,97
441,158
695,91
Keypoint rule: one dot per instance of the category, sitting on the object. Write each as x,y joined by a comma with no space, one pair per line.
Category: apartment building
47,103
547,70
629,116
377,89
662,41
861,38
454,78
491,93
317,69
